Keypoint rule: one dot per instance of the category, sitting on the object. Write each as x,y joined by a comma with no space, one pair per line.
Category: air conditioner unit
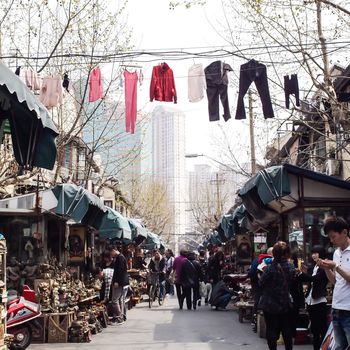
332,167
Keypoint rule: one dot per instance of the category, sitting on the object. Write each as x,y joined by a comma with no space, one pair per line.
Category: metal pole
251,134
218,194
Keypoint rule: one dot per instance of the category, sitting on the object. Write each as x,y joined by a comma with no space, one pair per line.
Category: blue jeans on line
341,326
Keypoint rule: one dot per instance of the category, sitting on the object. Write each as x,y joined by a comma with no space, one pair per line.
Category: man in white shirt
338,272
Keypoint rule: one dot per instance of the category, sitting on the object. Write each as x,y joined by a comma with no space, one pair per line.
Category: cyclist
158,265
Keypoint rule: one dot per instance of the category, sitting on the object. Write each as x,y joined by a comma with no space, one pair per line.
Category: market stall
297,201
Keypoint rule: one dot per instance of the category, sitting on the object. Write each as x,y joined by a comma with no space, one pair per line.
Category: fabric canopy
32,130
76,202
279,189
139,232
152,241
270,183
114,225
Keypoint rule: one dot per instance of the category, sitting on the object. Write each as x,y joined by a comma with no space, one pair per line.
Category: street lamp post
217,181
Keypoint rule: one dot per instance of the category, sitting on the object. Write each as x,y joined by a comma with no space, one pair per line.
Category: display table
58,325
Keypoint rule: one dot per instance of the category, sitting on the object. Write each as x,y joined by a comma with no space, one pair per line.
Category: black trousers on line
217,81
318,318
291,87
249,72
276,324
213,93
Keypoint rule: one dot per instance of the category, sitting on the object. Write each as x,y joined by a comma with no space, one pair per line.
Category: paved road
168,328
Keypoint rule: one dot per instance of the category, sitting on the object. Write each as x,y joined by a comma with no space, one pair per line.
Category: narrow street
166,327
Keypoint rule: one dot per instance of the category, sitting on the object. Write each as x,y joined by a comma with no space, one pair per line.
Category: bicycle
154,288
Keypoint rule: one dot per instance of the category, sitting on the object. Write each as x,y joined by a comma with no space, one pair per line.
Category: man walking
338,272
119,281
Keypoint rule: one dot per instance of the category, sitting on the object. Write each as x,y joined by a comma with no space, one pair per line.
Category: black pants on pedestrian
179,294
187,294
195,293
318,318
276,324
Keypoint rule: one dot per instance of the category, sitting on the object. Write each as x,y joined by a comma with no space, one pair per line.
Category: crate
39,329
37,281
58,325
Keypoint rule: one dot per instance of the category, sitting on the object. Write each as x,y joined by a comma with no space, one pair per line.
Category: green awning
76,202
215,239
226,224
114,225
138,232
32,130
270,183
151,242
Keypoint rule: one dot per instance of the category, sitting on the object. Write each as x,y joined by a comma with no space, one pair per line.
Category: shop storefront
297,201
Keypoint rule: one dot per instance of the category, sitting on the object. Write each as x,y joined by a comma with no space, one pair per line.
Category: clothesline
181,54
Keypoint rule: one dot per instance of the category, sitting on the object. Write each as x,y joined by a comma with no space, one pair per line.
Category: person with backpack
189,280
316,296
197,277
276,301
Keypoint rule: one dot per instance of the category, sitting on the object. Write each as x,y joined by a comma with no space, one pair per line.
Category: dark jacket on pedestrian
204,270
189,274
318,283
120,274
218,291
215,266
159,266
275,283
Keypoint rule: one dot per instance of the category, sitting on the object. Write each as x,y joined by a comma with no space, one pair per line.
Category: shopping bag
172,277
328,341
202,289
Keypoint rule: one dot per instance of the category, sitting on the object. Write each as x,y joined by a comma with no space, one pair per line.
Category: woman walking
276,300
316,296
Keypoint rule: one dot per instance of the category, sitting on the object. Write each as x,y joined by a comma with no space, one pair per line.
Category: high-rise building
211,194
168,163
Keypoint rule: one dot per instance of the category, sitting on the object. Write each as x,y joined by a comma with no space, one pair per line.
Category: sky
155,26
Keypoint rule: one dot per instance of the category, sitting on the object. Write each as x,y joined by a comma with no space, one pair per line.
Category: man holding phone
338,273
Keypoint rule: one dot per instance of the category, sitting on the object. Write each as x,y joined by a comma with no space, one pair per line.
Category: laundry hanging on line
95,84
249,72
291,87
51,92
162,87
217,84
65,83
196,83
130,87
30,78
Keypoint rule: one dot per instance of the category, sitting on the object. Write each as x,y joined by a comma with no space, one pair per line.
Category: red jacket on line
163,84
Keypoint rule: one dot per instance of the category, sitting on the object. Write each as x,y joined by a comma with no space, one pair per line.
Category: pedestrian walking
120,279
169,284
107,267
177,267
196,276
338,273
215,265
253,274
157,265
204,285
316,296
276,300
189,282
